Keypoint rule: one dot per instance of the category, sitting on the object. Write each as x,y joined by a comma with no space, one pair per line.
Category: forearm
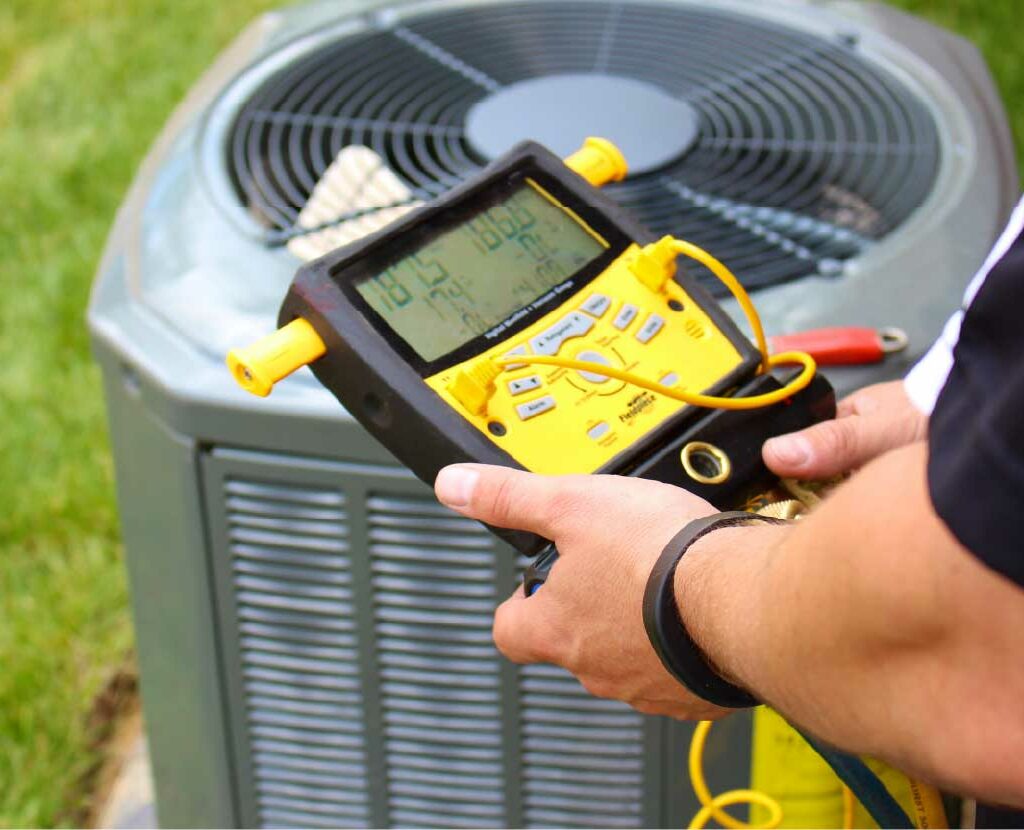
867,624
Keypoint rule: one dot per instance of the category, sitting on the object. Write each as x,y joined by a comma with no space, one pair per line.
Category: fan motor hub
651,127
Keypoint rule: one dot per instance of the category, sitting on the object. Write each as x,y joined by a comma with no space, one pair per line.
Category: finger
825,449
848,406
522,630
505,497
890,396
819,451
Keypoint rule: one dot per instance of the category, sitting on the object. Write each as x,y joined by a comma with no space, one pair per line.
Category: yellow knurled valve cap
599,162
473,386
655,265
258,367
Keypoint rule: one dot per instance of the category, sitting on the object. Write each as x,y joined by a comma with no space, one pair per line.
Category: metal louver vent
434,582
804,151
583,757
305,721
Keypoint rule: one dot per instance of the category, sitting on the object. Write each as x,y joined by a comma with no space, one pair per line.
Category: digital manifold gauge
521,319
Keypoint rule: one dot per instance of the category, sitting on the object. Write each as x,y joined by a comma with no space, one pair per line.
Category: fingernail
454,485
793,451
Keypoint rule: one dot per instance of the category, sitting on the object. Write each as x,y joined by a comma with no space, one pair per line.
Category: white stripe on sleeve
925,381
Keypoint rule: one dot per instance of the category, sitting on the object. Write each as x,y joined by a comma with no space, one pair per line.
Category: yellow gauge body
433,303
634,324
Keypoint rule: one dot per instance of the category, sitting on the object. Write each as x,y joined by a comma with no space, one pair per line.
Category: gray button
596,304
671,379
652,325
535,407
593,357
597,430
571,325
625,316
520,385
517,350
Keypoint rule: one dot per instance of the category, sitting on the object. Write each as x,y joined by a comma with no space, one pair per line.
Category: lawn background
85,86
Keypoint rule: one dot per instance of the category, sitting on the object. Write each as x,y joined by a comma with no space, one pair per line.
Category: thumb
504,497
831,447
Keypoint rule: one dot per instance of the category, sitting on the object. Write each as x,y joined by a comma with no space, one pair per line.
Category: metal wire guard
806,152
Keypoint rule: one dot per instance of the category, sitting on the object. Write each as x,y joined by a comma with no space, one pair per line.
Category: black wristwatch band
672,642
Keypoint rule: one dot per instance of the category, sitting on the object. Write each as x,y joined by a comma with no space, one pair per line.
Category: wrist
722,598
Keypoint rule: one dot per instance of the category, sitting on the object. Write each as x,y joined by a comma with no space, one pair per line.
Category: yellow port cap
599,162
655,265
258,367
473,385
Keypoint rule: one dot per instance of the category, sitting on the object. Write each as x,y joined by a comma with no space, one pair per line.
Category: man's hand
869,422
587,617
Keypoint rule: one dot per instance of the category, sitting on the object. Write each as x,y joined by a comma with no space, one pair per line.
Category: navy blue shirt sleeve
976,433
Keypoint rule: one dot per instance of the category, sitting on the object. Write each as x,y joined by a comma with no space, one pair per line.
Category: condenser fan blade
806,137
380,92
782,151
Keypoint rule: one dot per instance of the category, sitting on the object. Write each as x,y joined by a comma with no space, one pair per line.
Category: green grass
85,86
989,24
84,89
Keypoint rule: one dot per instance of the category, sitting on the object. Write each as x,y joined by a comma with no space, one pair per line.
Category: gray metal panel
361,679
338,586
586,762
161,520
434,588
315,600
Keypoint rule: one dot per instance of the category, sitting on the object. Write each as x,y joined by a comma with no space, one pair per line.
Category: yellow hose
712,806
693,398
729,280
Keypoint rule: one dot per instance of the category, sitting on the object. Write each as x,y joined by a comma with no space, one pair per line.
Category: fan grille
806,152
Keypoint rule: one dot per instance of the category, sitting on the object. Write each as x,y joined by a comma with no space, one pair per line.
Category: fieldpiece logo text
637,405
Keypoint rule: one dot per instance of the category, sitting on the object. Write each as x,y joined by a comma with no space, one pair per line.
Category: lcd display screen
467,280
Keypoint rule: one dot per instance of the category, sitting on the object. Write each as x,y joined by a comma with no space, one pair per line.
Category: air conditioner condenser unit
313,628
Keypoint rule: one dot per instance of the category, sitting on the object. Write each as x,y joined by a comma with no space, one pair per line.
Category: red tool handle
842,345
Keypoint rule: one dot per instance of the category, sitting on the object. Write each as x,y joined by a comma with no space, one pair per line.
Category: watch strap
672,642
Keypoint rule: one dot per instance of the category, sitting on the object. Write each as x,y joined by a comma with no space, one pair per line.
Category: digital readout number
511,222
468,279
